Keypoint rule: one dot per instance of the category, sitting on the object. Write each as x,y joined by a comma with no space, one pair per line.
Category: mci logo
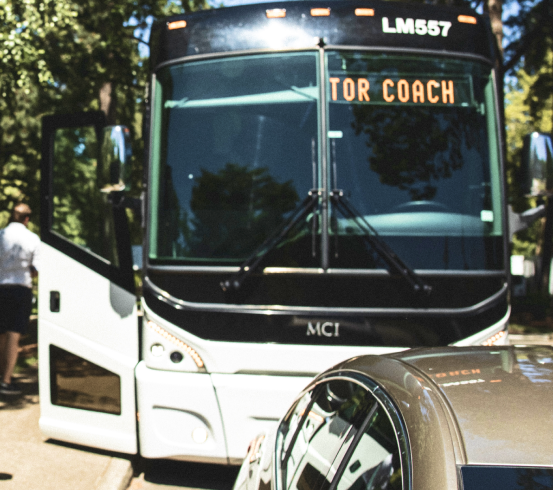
326,329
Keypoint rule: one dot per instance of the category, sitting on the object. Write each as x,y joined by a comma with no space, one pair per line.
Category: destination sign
408,90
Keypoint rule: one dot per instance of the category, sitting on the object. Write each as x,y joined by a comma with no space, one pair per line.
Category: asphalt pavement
30,461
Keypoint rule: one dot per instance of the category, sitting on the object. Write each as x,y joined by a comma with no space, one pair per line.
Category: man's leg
11,351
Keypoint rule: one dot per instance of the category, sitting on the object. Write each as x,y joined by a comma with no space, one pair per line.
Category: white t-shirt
19,250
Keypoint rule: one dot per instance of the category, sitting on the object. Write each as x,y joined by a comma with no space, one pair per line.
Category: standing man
19,249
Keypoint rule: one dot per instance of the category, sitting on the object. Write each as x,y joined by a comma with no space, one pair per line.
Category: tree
520,120
64,56
24,75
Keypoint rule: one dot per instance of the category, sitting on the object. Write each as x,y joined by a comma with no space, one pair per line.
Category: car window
321,427
375,463
506,478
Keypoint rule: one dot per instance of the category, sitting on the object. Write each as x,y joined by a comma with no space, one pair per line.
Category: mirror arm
120,200
521,221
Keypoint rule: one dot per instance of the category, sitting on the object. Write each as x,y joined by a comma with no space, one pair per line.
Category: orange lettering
349,89
363,89
334,84
447,92
475,371
431,97
403,90
454,373
387,97
439,375
418,91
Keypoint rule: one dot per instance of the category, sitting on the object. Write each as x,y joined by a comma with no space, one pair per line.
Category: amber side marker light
320,12
467,19
495,338
364,12
275,13
179,343
178,24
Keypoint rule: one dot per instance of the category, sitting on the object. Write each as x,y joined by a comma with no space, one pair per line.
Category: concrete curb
117,476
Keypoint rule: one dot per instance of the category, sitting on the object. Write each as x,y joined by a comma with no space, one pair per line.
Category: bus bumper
193,416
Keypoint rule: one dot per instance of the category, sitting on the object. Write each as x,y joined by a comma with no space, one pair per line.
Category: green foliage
58,56
531,48
521,119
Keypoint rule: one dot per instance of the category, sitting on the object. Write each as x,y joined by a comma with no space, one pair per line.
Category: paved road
175,475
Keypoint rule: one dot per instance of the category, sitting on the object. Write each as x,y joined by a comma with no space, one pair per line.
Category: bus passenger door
88,328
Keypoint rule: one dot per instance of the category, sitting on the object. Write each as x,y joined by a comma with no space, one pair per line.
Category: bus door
88,328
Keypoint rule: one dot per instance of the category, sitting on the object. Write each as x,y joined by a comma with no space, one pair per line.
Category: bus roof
344,23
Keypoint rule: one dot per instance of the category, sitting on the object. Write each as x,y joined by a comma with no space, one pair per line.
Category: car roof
500,398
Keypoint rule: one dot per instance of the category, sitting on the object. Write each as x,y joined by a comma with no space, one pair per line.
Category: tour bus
322,179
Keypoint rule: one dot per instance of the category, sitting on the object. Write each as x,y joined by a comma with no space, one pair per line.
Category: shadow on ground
190,475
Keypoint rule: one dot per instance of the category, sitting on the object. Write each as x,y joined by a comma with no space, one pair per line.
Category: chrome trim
419,272
183,269
287,310
293,270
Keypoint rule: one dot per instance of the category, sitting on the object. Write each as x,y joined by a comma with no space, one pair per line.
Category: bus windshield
409,141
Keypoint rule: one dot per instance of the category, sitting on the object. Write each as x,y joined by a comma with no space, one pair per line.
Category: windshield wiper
371,237
235,281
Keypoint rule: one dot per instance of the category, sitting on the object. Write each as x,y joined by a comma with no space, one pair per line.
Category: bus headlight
165,351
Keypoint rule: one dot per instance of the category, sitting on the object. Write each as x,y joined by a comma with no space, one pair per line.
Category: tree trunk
494,8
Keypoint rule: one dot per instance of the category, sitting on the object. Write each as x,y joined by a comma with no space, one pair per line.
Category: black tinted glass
413,148
237,148
506,478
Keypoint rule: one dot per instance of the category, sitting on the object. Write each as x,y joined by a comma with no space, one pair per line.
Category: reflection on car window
331,421
375,463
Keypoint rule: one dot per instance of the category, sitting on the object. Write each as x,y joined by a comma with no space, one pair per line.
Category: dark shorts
15,308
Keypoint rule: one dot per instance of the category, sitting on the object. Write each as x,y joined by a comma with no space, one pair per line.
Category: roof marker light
321,12
275,13
467,19
178,24
364,12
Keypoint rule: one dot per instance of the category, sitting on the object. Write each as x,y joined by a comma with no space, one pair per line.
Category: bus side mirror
116,156
537,179
537,165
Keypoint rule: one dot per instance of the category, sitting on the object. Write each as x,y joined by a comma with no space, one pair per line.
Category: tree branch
524,44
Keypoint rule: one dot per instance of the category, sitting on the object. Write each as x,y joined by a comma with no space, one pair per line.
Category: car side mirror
537,165
116,156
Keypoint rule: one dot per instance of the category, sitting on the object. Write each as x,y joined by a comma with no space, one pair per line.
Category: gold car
451,418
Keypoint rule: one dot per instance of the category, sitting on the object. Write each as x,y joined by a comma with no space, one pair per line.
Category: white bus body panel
251,404
179,416
248,389
98,322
